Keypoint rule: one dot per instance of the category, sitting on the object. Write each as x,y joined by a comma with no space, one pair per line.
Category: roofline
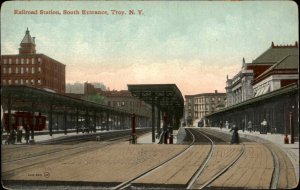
221,93
276,47
268,72
287,89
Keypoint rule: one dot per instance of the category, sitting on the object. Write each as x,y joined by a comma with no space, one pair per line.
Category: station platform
143,139
147,138
291,150
43,136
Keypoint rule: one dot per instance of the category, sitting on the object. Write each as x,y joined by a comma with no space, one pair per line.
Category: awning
166,97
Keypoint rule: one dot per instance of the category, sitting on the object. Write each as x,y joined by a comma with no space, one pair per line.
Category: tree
95,98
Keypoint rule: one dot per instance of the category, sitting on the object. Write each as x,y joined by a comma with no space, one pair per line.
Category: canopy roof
166,97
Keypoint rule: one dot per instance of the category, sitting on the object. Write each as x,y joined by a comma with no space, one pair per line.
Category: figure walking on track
235,135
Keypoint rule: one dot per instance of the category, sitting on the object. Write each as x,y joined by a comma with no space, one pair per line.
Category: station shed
165,98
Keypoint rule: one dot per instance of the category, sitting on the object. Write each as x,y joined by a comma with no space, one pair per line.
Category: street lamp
292,128
286,138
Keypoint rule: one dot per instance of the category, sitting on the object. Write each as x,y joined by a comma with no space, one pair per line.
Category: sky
193,44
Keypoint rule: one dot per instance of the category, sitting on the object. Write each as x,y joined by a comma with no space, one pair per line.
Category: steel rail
107,137
201,168
56,151
276,170
87,149
224,169
128,182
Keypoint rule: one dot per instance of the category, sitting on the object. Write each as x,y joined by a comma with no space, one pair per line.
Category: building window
22,60
27,61
22,70
9,81
4,70
9,60
9,70
21,81
39,60
27,70
32,81
32,70
27,82
17,70
39,70
16,81
33,61
3,81
17,60
4,61
39,81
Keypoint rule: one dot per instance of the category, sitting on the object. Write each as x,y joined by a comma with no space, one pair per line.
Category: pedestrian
235,135
227,125
250,126
19,135
27,134
264,126
13,136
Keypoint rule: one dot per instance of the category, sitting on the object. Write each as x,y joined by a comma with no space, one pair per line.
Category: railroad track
274,179
195,137
118,135
108,140
128,183
202,168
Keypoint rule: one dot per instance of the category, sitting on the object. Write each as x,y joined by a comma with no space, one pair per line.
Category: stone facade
240,88
199,105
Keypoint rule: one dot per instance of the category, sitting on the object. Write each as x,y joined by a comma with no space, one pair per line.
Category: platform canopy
166,97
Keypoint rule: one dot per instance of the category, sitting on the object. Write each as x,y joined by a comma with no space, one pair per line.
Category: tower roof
27,45
27,38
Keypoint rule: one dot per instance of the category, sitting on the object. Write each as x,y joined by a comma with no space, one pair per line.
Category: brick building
121,99
199,105
240,88
32,69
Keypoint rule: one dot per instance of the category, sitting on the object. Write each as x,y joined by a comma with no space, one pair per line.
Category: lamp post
286,138
292,128
133,126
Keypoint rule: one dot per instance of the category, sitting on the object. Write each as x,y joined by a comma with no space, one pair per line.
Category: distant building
32,69
199,105
240,88
121,99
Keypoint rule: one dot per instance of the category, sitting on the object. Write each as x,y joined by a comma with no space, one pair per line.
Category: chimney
272,44
216,92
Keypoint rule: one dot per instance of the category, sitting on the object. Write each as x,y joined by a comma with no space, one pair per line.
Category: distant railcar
26,120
